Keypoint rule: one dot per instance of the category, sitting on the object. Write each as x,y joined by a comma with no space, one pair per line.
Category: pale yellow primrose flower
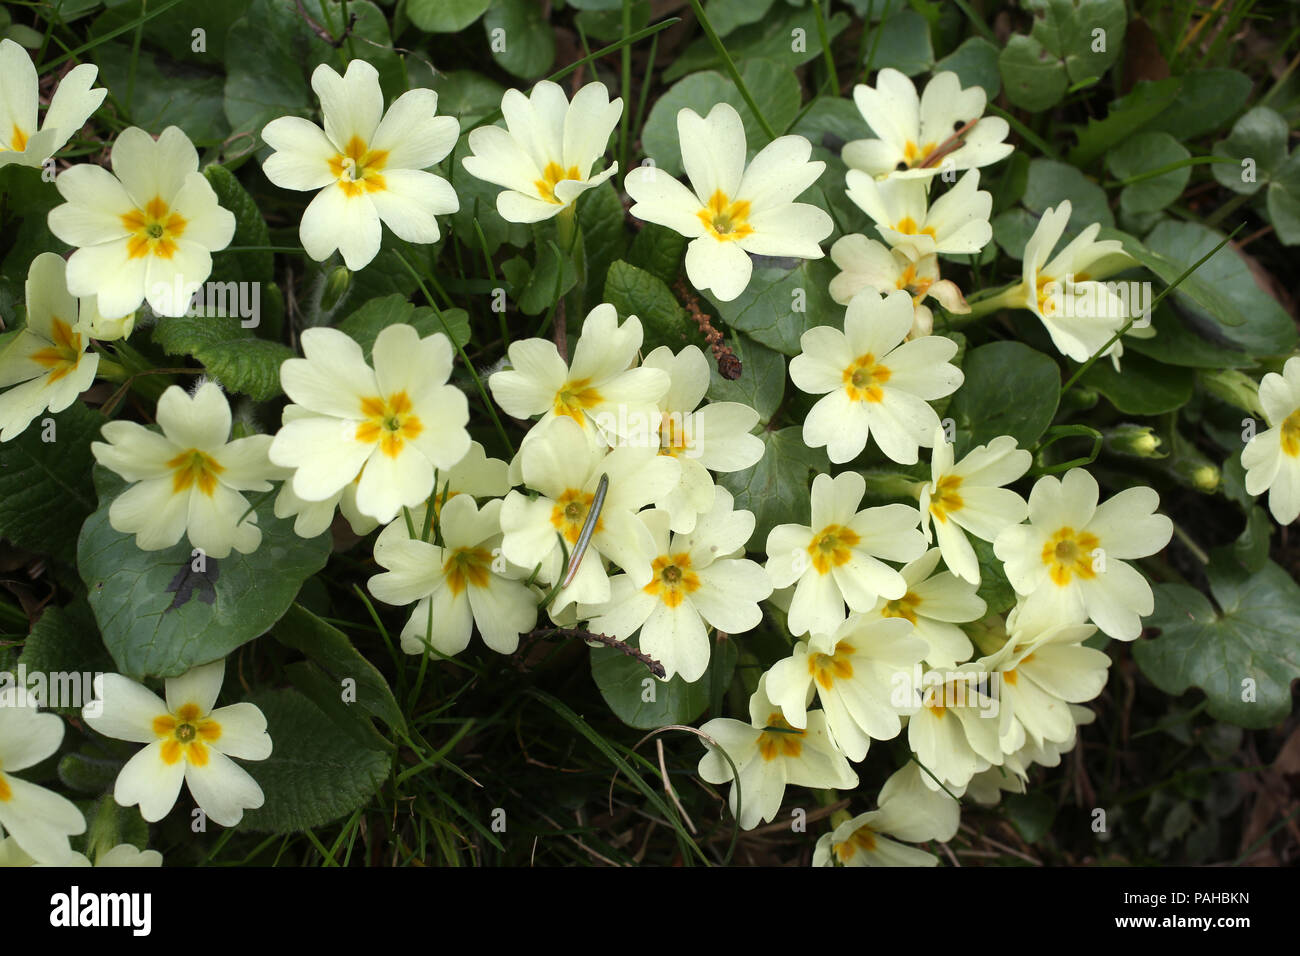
544,156
700,579
934,605
46,363
368,165
767,760
854,673
968,497
188,742
39,821
393,424
1272,457
21,143
957,222
732,210
1068,562
457,585
188,479
714,437
875,384
868,264
837,559
921,137
144,232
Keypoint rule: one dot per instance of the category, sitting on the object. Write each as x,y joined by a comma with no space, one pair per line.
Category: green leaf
232,355
1050,182
1258,145
658,250
45,487
1175,343
365,324
552,276
976,64
250,230
772,39
904,44
329,649
994,588
478,200
773,87
782,302
761,385
1031,814
467,95
1225,290
1284,200
445,16
1126,116
1209,98
1143,387
316,773
1245,648
623,683
527,42
160,617
600,217
634,291
65,642
776,488
166,92
1034,79
726,15
1146,153
832,121
1009,389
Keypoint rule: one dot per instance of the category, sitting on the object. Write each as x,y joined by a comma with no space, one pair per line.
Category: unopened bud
335,287
1134,441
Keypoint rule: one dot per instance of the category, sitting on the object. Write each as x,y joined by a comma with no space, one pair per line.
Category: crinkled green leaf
1257,144
784,298
1009,389
643,701
636,292
761,385
776,488
365,324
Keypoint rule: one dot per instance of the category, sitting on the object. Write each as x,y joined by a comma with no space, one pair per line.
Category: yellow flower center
826,669
917,155
551,177
569,514
574,397
832,547
467,566
193,467
863,378
674,436
905,607
863,838
358,168
154,230
389,422
186,734
63,355
1046,297
915,286
907,226
726,219
1291,434
673,578
785,742
945,499
1068,553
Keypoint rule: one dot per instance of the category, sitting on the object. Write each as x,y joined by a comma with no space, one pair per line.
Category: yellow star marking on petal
467,566
905,607
5,793
726,219
64,355
552,175
944,499
154,230
193,467
863,838
772,745
673,578
917,155
569,514
358,168
1046,297
17,139
1068,553
831,547
574,397
907,226
1291,434
675,438
916,287
388,422
826,669
186,734
863,378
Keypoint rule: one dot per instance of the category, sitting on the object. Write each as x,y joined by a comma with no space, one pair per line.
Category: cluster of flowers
608,514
